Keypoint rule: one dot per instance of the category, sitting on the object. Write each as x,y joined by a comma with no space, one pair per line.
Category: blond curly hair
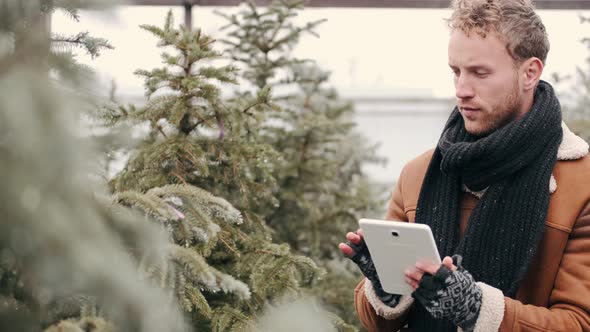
515,21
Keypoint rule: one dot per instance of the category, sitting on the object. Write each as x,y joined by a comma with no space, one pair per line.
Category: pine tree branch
193,127
303,155
161,131
220,124
228,246
92,45
194,159
278,28
268,252
180,178
70,10
253,104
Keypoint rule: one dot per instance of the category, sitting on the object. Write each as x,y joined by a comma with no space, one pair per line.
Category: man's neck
527,104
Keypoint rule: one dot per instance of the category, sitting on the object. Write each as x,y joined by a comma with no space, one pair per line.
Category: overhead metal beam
540,4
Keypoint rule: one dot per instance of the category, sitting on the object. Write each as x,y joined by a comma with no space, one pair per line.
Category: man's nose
463,89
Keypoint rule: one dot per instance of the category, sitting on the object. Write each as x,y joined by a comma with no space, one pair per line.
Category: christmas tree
199,148
323,190
204,215
65,258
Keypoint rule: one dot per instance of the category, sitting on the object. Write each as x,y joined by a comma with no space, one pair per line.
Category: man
506,193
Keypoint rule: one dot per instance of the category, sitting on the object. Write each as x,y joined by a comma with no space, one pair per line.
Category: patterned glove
453,295
362,258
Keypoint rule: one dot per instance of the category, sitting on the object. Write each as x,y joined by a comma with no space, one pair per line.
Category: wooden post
188,15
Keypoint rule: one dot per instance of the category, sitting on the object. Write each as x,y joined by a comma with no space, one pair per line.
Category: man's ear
532,69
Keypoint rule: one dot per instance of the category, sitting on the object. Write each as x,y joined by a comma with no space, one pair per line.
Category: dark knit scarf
514,163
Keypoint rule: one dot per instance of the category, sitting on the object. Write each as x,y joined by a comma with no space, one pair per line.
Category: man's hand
355,238
447,291
414,274
356,250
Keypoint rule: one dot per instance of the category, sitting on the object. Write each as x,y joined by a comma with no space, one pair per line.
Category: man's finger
448,262
427,267
353,237
411,282
345,249
360,233
414,274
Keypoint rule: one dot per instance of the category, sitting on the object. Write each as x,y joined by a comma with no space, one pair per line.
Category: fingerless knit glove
453,295
363,260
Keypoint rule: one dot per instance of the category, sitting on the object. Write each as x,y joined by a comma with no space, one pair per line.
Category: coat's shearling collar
572,147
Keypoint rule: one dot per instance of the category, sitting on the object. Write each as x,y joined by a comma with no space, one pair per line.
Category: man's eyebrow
472,67
475,67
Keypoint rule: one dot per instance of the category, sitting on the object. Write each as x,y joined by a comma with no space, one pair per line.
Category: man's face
487,85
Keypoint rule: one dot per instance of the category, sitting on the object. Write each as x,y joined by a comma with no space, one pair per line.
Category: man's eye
481,73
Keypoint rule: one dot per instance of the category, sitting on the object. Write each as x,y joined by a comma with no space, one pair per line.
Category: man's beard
503,113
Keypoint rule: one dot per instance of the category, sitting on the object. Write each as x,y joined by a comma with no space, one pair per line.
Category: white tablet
395,246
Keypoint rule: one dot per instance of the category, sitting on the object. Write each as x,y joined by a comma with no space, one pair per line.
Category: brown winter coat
555,294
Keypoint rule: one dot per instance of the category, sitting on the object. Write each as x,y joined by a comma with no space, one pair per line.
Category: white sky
382,51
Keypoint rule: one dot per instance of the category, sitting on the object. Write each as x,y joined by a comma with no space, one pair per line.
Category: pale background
378,58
